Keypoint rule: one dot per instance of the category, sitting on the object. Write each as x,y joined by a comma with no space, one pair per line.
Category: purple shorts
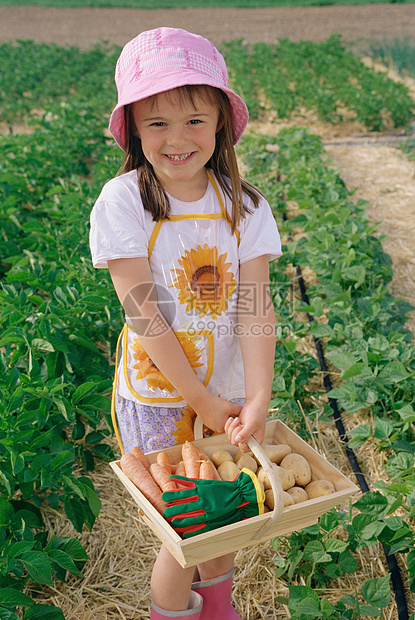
154,428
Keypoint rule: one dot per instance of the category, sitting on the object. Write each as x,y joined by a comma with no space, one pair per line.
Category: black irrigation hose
332,402
390,558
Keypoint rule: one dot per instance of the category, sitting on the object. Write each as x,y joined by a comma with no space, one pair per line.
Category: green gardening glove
204,505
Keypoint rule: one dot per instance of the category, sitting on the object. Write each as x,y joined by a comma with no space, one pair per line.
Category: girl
187,244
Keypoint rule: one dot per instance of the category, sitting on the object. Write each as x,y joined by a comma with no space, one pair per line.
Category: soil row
84,27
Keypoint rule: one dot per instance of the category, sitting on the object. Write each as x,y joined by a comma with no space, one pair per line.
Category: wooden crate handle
198,428
276,487
273,477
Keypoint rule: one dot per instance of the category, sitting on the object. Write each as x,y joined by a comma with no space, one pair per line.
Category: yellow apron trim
260,495
194,216
153,237
211,353
169,399
222,206
211,343
114,389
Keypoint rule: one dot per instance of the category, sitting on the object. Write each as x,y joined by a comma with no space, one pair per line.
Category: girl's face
178,139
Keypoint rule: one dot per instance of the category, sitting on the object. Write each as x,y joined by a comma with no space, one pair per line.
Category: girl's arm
129,276
256,321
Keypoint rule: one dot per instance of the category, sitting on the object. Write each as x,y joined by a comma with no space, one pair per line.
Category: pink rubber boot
216,595
193,611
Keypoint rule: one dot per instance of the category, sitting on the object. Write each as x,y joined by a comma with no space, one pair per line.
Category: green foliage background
60,318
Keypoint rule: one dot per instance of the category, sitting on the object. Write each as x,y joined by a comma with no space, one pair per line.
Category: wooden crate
232,537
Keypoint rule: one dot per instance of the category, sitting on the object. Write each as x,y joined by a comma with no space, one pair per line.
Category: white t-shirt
194,259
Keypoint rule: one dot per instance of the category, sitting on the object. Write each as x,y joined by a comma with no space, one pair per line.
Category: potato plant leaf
43,612
6,512
6,614
38,566
10,596
64,560
377,591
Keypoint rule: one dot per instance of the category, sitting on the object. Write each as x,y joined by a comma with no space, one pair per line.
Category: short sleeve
117,227
259,234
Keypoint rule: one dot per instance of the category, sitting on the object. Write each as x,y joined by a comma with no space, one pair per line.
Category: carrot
204,457
180,469
161,477
139,454
164,461
191,459
173,468
206,471
138,474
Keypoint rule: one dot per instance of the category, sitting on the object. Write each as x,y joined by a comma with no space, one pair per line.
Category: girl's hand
251,421
216,411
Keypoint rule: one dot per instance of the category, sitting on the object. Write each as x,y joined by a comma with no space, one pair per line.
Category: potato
262,476
286,478
299,467
269,499
318,488
228,470
276,452
298,494
288,499
220,456
248,462
239,454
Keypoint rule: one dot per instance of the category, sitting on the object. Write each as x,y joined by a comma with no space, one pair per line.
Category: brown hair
223,161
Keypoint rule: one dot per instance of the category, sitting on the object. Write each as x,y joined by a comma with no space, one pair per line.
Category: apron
195,266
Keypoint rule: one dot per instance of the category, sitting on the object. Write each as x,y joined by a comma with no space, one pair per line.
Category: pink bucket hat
165,58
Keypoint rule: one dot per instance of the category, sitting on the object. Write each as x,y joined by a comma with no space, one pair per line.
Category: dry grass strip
383,176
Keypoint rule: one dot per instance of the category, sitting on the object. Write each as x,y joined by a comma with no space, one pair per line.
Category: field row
58,335
178,4
367,348
275,81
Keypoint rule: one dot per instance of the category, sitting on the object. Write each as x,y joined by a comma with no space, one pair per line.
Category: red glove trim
187,515
191,528
177,502
183,482
243,504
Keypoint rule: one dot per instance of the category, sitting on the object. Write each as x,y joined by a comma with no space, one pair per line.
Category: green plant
27,556
326,78
315,556
304,603
363,330
398,53
60,317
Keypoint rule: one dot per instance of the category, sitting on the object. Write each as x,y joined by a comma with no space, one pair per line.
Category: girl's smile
180,158
178,139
